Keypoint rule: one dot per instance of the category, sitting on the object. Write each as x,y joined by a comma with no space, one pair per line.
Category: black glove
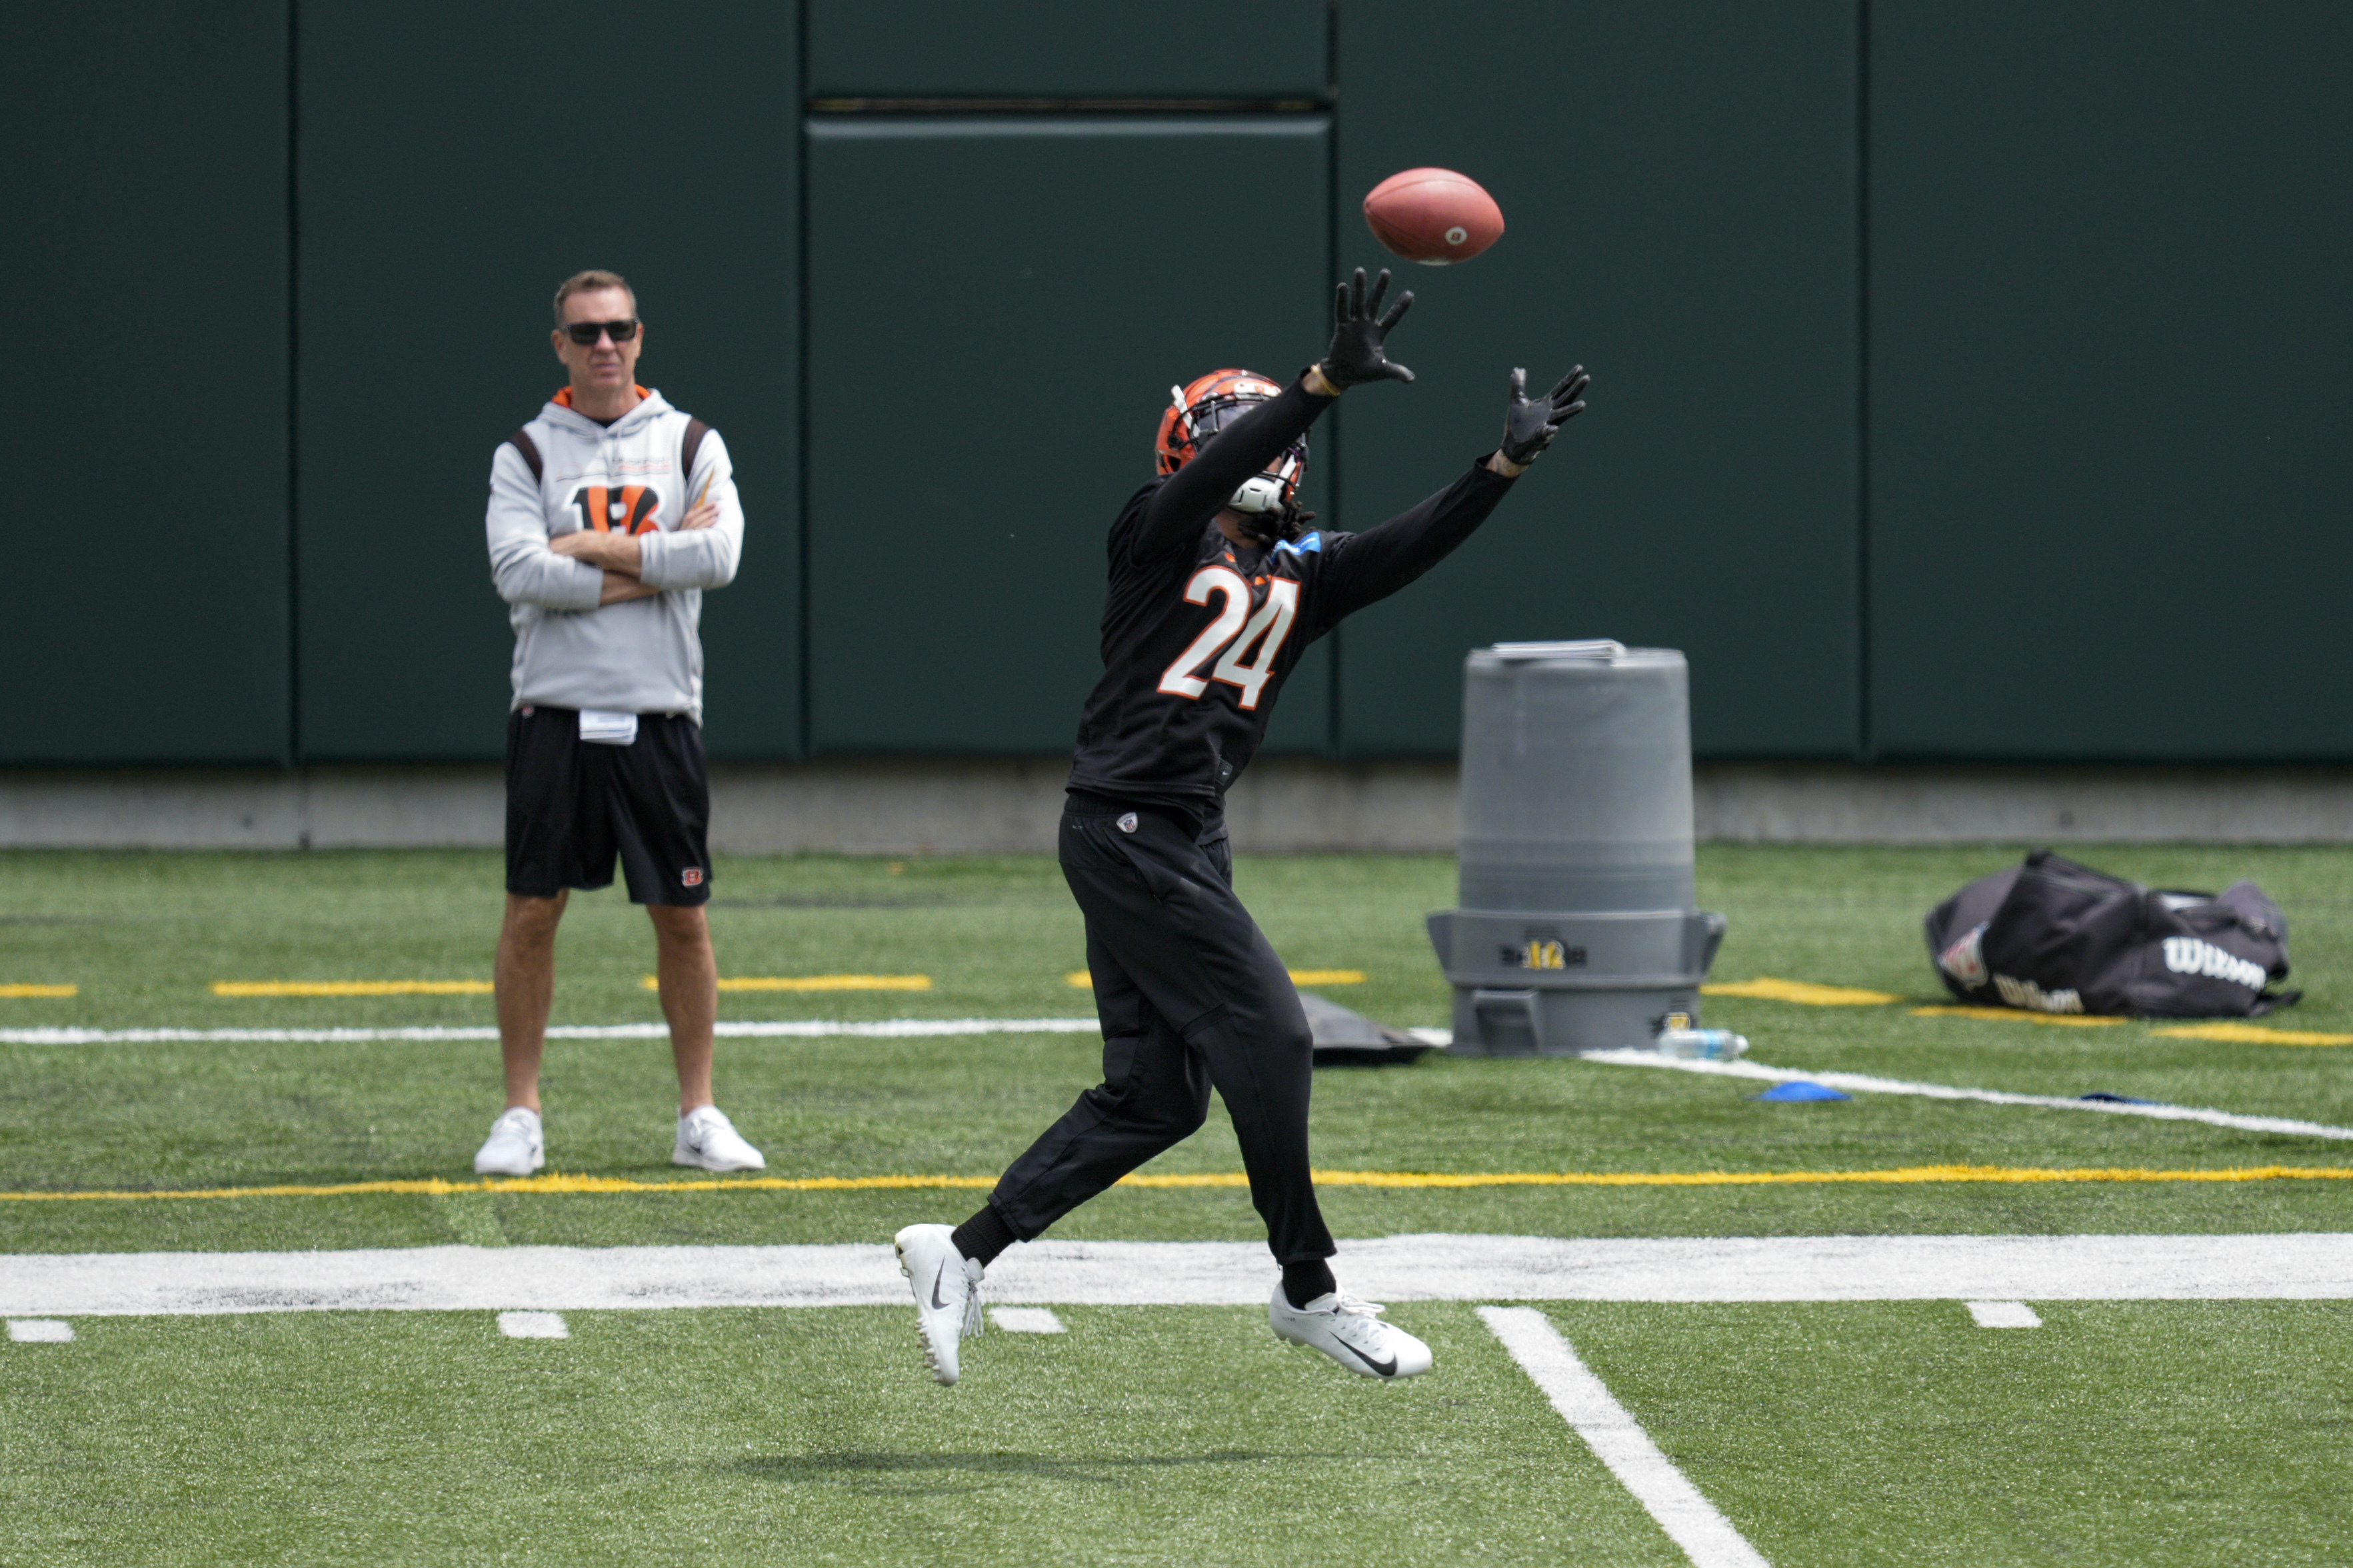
1529,428
1355,356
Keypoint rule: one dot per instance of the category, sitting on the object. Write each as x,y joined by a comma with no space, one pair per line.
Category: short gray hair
594,278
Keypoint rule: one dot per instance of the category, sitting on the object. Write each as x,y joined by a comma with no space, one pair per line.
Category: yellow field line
1763,986
814,983
1080,980
351,988
2018,1016
1801,991
1901,1176
2221,1029
41,990
435,1186
2251,1034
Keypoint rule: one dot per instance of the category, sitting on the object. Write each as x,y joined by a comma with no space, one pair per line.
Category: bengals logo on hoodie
617,509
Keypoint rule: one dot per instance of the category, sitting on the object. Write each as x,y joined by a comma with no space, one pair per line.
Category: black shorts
574,805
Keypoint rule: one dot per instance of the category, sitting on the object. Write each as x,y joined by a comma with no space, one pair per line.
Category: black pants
1190,995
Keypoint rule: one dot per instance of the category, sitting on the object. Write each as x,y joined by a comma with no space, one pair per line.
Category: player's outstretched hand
1356,356
1530,425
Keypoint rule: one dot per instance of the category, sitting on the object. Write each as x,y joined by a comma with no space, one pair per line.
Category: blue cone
1783,1093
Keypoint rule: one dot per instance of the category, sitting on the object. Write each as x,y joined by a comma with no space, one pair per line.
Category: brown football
1433,215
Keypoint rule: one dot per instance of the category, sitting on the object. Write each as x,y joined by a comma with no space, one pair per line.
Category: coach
609,514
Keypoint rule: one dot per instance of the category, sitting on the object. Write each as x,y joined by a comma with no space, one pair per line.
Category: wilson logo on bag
2188,955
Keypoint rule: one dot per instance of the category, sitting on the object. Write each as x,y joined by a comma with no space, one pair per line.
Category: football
1433,216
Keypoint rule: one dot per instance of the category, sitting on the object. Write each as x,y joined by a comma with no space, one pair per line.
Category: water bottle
1701,1044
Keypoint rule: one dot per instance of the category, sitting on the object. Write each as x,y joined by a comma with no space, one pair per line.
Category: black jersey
1199,633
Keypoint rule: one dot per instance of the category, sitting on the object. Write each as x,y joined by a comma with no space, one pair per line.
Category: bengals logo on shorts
690,877
623,509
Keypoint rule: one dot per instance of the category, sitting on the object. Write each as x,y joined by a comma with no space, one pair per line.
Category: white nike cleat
947,1293
1351,1332
514,1147
707,1140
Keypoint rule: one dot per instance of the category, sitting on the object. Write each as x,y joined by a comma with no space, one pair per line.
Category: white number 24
1262,636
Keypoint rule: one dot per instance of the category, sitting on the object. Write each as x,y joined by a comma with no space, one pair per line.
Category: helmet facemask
1268,501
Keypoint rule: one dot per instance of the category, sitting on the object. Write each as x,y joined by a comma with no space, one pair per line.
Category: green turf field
1865,1433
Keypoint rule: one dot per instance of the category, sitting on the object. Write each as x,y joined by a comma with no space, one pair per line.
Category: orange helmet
1199,410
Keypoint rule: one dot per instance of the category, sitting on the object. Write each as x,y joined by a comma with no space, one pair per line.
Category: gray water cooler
1577,928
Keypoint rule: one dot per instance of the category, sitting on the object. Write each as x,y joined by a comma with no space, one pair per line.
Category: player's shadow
914,1475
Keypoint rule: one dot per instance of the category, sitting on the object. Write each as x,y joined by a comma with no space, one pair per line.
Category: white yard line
39,1332
2295,1267
1619,1441
946,1029
533,1326
1026,1320
799,1028
2003,1315
1862,1083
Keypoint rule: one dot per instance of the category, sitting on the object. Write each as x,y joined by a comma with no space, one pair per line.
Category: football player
1217,588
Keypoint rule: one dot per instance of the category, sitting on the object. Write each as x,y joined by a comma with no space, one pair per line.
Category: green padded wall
1069,49
2107,254
997,309
2112,314
146,618
1678,183
455,163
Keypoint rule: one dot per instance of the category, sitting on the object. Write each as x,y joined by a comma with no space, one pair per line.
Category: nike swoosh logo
1385,1368
935,1286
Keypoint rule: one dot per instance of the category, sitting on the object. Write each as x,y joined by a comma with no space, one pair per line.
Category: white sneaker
947,1293
514,1147
707,1139
1351,1332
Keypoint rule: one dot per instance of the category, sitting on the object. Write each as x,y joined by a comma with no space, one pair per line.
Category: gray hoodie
644,656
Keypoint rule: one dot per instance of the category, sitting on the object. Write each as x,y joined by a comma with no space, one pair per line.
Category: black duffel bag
2055,937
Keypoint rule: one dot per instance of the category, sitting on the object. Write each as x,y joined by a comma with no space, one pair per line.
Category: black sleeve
1174,518
1363,568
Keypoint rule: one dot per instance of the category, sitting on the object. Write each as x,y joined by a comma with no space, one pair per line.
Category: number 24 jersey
1196,645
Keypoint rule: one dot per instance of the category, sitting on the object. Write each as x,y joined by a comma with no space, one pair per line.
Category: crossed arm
620,559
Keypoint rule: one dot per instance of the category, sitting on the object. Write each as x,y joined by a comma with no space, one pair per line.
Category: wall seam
1865,746
802,457
1335,739
294,393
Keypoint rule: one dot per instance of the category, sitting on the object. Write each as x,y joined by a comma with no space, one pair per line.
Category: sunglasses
587,333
